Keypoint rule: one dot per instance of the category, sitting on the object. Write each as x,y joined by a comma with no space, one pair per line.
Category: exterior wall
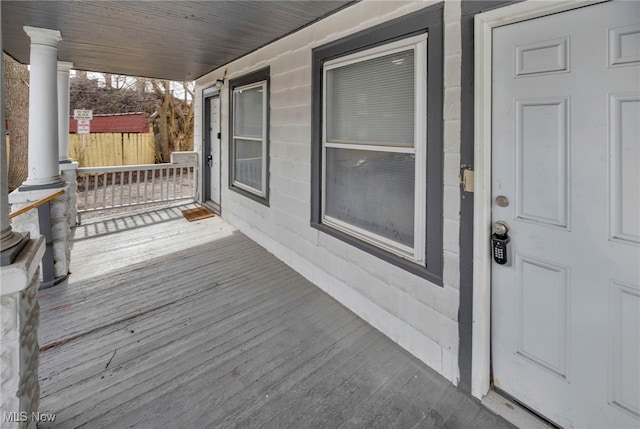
420,316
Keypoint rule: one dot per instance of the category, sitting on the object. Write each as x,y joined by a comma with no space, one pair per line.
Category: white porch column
44,167
43,170
63,111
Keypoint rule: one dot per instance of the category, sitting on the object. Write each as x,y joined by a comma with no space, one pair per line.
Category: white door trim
483,40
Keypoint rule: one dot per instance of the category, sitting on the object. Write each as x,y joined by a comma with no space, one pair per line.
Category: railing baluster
104,188
113,189
193,183
166,183
95,190
138,186
189,178
122,175
161,180
153,183
173,181
129,200
86,190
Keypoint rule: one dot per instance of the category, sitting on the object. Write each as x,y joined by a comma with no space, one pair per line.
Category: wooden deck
169,323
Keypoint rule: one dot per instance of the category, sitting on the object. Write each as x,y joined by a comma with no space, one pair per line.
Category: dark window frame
428,20
257,76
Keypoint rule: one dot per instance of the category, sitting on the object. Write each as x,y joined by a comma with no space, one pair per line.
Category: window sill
262,200
405,264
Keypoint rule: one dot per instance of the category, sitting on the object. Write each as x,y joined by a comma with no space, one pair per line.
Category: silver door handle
500,228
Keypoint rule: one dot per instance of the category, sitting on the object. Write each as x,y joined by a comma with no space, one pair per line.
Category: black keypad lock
499,244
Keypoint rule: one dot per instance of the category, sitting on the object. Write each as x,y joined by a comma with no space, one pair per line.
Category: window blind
372,101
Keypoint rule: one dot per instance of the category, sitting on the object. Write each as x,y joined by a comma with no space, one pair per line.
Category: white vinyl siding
374,146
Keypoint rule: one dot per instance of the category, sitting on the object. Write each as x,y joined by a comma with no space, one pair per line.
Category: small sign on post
84,126
84,117
82,114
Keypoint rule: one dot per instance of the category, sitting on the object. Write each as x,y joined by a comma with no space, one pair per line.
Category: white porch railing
108,188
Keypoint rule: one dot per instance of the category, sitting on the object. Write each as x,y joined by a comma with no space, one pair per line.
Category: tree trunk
141,85
16,84
166,122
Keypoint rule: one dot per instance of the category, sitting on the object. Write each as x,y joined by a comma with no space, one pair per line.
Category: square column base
59,214
19,386
69,173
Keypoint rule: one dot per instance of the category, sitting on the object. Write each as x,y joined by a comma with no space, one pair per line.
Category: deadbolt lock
502,201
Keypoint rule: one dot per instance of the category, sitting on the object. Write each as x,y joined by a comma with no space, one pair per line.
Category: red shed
115,123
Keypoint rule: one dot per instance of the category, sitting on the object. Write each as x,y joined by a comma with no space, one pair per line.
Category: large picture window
377,128
249,129
373,140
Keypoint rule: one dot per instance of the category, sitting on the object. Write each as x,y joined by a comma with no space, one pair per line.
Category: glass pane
373,191
372,101
247,112
248,162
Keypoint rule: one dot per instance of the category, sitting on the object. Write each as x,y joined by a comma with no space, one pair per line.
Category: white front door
566,179
214,149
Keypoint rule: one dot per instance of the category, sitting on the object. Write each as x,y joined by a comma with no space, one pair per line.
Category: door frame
207,95
483,42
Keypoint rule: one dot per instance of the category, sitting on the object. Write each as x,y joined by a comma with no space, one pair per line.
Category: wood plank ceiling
175,40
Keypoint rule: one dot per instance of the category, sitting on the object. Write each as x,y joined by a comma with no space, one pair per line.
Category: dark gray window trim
465,312
253,77
427,20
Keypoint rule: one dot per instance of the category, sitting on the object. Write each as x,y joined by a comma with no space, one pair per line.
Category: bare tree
174,120
161,90
16,84
185,119
171,116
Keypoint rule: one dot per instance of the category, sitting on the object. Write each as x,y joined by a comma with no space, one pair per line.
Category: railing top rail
36,204
138,167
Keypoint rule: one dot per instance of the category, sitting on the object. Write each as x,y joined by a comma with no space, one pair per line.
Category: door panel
542,298
624,111
541,169
566,155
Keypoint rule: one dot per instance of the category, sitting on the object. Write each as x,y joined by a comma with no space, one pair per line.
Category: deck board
169,323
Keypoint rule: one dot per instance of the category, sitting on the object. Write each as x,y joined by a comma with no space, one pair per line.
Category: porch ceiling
175,40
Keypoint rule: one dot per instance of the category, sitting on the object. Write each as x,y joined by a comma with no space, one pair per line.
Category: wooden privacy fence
107,149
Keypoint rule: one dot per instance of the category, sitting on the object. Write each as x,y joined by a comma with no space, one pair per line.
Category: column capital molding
64,66
43,36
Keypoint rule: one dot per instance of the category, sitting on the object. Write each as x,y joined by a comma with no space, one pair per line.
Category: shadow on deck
167,323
